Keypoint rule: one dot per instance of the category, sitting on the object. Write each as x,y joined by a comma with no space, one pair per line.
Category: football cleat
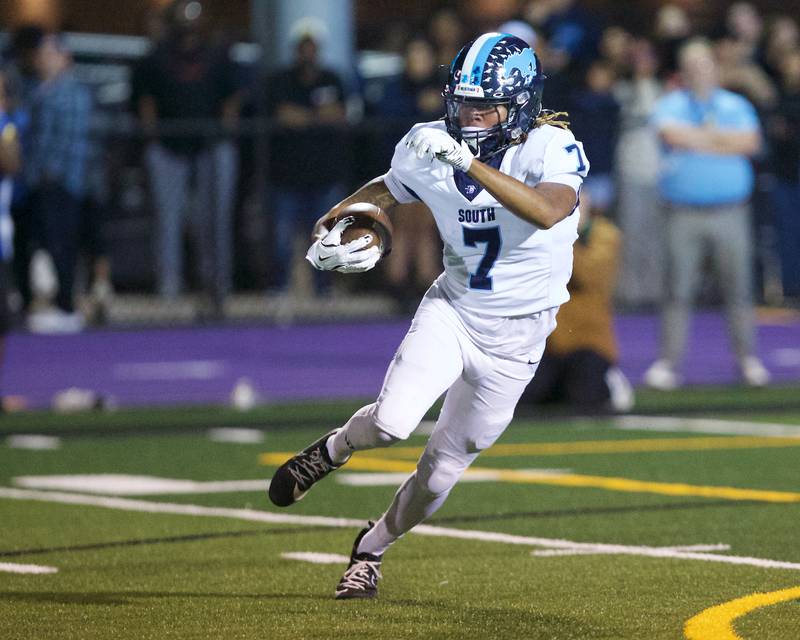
299,473
362,575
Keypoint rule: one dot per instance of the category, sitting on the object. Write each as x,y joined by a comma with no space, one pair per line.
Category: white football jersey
495,263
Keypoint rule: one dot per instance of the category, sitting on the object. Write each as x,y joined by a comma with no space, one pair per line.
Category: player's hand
329,254
432,143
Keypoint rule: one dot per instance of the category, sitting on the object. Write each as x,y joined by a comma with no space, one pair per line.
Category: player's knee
364,431
390,428
384,438
438,477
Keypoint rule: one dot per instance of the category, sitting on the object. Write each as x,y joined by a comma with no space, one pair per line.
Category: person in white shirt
501,178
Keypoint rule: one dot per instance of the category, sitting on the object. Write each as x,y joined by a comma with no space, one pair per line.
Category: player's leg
477,409
547,385
474,415
425,365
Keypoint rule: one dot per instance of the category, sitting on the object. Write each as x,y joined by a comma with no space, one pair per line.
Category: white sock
359,433
411,505
377,540
336,456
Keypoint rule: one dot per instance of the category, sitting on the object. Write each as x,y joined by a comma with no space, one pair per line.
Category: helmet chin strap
478,137
472,135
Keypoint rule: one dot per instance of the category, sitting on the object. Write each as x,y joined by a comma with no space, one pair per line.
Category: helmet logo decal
524,63
476,75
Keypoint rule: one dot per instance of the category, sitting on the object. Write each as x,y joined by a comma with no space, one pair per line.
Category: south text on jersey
476,215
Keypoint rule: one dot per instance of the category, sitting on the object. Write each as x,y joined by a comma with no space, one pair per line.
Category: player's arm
327,252
710,139
543,205
374,192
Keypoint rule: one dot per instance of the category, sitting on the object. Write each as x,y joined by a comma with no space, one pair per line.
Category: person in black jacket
307,162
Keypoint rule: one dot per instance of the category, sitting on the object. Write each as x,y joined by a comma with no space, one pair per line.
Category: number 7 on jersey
574,147
491,236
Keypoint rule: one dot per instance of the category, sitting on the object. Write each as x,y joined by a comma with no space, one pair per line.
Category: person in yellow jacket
579,366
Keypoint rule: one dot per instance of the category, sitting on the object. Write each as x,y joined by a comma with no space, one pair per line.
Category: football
369,219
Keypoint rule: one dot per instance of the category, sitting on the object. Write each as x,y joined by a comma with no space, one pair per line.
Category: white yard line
236,436
251,515
363,479
145,506
588,551
114,484
10,567
706,425
315,557
33,442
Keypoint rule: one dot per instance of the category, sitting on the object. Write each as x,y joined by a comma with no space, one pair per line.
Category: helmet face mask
472,134
495,69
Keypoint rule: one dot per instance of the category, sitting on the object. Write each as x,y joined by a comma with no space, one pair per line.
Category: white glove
329,254
433,143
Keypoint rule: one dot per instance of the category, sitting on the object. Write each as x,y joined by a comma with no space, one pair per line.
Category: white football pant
483,363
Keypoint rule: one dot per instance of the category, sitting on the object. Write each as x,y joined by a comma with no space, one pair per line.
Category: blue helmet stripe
473,64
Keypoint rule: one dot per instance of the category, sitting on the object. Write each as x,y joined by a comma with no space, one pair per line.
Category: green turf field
568,528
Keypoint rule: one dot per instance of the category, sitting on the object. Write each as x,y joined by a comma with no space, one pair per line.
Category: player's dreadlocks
554,118
546,116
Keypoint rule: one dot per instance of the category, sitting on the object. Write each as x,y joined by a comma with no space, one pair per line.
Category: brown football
369,219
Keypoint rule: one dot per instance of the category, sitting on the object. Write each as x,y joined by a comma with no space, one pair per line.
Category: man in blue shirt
55,171
707,135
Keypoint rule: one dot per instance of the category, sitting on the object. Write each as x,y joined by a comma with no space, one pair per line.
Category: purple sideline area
315,362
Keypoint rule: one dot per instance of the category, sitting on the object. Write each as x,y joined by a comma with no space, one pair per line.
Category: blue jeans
786,207
296,209
204,187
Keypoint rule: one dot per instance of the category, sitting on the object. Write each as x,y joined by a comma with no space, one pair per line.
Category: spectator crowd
611,80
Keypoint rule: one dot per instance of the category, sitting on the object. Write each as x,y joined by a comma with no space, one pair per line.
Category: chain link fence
122,227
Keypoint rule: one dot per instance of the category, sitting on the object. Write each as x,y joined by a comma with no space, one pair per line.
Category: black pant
5,312
22,215
578,379
57,225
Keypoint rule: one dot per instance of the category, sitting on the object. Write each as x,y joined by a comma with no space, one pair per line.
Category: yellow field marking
716,623
586,447
363,462
615,446
358,462
642,486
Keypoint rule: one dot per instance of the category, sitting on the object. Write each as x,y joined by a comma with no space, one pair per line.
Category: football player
502,178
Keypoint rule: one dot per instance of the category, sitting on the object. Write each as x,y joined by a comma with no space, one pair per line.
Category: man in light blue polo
708,135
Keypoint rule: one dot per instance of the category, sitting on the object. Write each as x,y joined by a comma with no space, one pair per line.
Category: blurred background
163,163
